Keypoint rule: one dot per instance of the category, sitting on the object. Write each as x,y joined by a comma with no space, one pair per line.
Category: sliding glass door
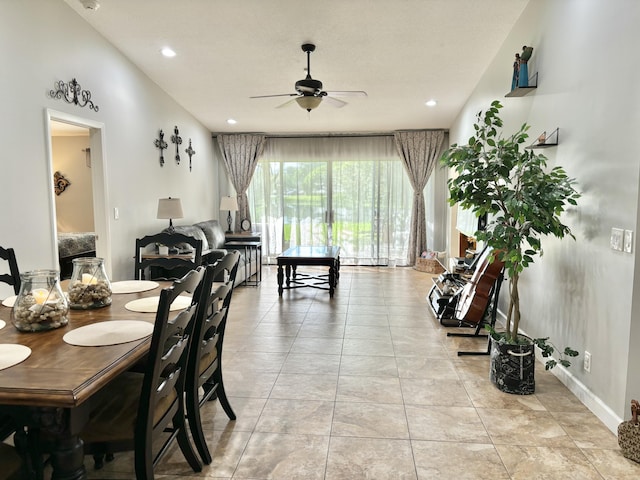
350,192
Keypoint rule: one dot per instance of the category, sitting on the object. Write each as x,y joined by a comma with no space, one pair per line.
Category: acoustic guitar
476,294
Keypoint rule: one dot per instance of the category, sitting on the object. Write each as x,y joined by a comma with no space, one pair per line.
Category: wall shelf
522,91
546,141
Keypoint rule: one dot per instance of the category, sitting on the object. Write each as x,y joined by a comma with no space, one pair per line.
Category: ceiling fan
309,93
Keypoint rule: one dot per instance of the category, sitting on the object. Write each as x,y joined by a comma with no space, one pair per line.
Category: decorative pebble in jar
89,286
41,304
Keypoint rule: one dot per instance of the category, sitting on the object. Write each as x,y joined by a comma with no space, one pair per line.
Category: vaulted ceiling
401,52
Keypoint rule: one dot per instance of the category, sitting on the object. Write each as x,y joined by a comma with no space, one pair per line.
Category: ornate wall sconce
72,93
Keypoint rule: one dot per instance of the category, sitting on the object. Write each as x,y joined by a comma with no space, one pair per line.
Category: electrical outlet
628,241
587,362
616,238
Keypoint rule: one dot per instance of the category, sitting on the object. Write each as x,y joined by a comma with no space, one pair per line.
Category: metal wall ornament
177,139
60,183
161,144
190,151
72,93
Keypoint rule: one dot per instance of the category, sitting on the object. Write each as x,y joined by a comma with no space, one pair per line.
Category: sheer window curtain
241,153
419,151
347,191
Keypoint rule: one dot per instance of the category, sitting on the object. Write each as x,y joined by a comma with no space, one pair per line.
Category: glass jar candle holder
41,304
89,286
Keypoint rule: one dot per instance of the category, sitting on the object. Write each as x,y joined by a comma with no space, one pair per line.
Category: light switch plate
616,238
628,241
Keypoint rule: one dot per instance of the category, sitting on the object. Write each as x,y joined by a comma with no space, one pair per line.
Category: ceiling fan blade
279,95
288,102
347,93
334,102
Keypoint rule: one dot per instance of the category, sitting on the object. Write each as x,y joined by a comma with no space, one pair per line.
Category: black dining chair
204,369
13,277
146,412
10,463
7,427
170,266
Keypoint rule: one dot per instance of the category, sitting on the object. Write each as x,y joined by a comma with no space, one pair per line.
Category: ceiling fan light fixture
309,102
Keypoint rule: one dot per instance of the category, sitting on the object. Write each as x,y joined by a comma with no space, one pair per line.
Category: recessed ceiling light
231,121
431,103
90,4
168,52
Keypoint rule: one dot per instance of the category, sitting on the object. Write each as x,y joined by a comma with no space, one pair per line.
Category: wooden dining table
52,389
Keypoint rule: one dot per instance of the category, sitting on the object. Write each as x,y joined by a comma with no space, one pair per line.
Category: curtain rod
327,135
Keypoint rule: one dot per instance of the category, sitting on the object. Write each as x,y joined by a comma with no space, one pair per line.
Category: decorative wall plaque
60,183
72,93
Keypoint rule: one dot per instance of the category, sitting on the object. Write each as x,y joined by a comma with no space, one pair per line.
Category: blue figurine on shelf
523,74
516,72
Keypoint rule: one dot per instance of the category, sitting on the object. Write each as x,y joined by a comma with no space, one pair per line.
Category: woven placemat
108,333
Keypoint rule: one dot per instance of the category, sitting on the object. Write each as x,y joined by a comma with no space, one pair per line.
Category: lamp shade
308,102
170,208
229,203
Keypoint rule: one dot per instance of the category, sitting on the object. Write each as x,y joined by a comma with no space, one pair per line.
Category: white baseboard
588,398
579,389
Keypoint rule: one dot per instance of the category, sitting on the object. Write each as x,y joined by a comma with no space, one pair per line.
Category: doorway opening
78,189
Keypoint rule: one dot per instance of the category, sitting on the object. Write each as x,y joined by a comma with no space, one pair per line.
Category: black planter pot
512,368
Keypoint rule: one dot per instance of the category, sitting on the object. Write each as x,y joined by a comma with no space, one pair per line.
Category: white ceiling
401,52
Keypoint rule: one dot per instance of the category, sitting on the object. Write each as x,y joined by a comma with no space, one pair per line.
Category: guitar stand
476,334
492,322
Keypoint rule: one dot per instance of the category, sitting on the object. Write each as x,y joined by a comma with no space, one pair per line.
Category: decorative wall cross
190,151
161,144
177,139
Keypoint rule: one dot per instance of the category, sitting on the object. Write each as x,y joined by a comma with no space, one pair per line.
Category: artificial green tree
523,200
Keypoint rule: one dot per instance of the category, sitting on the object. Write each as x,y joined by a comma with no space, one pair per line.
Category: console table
250,247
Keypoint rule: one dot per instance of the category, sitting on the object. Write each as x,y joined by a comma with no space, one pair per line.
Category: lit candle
89,279
40,295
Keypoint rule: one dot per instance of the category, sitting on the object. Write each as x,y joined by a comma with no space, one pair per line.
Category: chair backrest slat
169,264
13,277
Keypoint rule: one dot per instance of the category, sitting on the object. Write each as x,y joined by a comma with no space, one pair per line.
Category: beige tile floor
368,386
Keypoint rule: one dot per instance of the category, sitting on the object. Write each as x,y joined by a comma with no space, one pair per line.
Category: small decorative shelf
546,141
522,91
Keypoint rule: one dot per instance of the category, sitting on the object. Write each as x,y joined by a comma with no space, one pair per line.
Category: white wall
43,41
581,293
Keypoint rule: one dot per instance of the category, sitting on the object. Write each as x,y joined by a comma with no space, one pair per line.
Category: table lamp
170,208
230,204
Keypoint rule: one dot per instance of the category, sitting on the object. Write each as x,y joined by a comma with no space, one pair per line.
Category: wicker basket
429,265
